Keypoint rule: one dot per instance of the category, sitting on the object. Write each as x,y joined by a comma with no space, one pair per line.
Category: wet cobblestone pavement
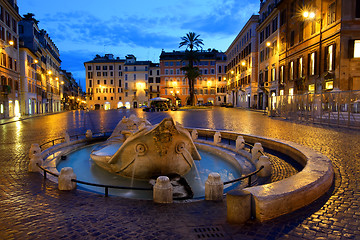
34,209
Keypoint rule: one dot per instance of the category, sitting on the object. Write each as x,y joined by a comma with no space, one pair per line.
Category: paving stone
32,208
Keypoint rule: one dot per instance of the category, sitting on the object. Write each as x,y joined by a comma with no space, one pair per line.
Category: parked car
229,105
208,104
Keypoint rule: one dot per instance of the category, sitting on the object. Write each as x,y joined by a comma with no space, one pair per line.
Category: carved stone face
154,150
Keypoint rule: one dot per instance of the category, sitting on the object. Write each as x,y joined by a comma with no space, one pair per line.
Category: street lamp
10,43
312,16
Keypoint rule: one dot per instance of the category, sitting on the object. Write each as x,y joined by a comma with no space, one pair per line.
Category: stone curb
275,199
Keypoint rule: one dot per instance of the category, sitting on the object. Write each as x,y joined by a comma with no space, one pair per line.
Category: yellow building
113,83
9,60
319,45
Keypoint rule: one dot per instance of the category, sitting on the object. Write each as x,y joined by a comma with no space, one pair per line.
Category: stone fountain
137,149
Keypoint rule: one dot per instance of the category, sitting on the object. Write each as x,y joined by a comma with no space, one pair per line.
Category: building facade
154,80
209,87
39,69
113,83
322,54
268,40
9,60
242,67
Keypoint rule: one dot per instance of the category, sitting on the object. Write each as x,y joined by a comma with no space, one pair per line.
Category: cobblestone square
32,208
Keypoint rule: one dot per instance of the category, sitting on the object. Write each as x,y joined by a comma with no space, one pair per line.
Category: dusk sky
81,29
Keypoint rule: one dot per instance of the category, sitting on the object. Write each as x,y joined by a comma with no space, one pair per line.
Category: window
110,68
105,68
146,76
104,74
157,79
98,74
219,69
301,32
330,57
111,74
274,24
90,74
111,82
291,72
158,72
119,83
273,74
150,72
119,67
292,38
151,80
300,67
90,83
134,76
105,98
283,17
313,27
134,68
262,56
282,69
89,67
357,49
312,64
98,81
357,9
105,81
98,68
120,74
126,77
331,13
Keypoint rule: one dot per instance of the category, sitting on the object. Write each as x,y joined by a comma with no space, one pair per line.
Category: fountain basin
227,163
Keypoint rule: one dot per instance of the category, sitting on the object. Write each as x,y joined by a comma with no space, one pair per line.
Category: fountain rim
299,190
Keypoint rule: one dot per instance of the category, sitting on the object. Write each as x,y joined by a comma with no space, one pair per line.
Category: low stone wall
275,199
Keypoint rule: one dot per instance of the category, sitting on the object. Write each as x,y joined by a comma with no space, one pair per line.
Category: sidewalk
15,119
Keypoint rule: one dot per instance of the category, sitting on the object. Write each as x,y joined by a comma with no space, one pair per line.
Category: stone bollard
163,190
266,171
255,152
67,137
34,149
194,134
214,187
238,204
217,137
240,143
35,159
65,183
88,134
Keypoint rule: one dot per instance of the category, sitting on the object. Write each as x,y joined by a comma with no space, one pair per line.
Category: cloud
134,31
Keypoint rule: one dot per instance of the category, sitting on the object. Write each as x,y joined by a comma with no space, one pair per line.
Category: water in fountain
137,152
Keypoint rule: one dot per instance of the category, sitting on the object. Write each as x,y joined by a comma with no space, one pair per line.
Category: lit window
292,70
311,88
312,64
329,85
300,67
291,91
330,57
357,49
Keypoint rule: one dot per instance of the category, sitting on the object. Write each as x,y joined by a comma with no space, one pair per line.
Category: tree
191,41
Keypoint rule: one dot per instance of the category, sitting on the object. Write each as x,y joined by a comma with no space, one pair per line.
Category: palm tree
191,41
